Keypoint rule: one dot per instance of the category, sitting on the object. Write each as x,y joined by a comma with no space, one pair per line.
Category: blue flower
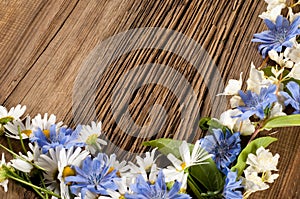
232,187
52,138
256,104
279,35
294,101
224,147
145,190
95,176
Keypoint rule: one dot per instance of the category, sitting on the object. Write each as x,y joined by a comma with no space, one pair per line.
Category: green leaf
166,146
282,121
5,120
203,123
251,148
207,123
208,175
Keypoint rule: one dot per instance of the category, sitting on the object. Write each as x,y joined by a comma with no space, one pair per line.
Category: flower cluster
70,163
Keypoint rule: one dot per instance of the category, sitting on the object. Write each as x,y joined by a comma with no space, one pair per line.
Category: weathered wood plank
44,46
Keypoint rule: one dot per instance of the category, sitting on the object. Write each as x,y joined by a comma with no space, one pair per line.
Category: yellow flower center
68,171
92,139
122,197
26,132
46,133
183,165
110,170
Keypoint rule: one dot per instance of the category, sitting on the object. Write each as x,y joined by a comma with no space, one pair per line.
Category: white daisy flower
177,171
57,166
121,167
14,113
72,156
44,123
145,166
3,178
90,136
17,125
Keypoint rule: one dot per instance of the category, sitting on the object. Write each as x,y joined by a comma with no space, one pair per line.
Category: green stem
34,186
21,140
36,190
43,183
9,144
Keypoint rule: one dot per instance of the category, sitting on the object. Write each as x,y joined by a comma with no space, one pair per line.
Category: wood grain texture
46,45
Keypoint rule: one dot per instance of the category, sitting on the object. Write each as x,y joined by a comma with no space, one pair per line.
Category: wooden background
43,45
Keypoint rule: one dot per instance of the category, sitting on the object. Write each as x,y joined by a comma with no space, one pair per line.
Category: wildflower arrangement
60,162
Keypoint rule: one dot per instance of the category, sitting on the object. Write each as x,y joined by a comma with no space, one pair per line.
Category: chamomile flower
90,136
67,157
57,165
17,126
120,167
187,159
45,123
3,173
145,166
13,114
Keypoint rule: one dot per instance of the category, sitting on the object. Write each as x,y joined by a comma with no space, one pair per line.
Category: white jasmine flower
3,177
293,53
14,113
271,14
177,171
233,86
90,136
291,14
245,127
16,125
274,3
276,110
253,183
44,123
279,59
259,171
257,80
263,160
295,72
236,101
